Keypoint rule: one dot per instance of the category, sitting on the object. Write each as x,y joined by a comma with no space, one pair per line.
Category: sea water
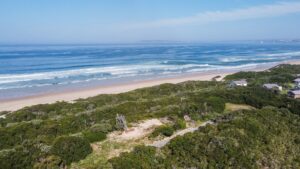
27,70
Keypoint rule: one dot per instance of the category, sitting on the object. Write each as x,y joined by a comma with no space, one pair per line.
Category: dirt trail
163,142
138,131
118,142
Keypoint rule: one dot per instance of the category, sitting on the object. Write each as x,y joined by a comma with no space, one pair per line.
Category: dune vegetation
253,127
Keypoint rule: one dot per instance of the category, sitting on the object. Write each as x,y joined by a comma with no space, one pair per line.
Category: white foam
296,53
11,81
261,57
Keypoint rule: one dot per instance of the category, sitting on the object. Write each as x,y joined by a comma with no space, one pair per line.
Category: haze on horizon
77,21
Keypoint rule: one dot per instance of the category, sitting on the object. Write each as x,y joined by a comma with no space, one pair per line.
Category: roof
271,85
295,92
242,81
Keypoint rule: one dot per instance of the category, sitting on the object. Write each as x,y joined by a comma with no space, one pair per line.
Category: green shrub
141,157
94,136
265,138
101,127
215,104
70,148
179,124
200,100
15,158
163,130
51,162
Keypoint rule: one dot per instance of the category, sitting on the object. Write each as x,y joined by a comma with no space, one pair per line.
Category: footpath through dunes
229,107
119,142
138,134
138,131
94,119
163,142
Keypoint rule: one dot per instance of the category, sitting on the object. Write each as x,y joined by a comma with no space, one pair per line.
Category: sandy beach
12,105
71,95
293,62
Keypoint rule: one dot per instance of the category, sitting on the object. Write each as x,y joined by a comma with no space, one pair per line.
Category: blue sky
109,21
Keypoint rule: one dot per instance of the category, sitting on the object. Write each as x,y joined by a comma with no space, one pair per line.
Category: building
272,86
236,83
297,82
294,94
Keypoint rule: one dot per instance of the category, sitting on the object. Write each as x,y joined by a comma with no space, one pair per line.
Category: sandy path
163,142
119,142
139,131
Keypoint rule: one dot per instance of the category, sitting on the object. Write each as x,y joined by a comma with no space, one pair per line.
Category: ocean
28,70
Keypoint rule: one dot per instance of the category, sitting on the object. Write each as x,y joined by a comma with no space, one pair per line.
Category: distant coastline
72,95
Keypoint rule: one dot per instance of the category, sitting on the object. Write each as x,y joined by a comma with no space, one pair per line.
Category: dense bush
23,156
266,138
163,130
179,124
50,162
215,104
94,136
15,158
280,74
141,158
70,148
94,117
103,127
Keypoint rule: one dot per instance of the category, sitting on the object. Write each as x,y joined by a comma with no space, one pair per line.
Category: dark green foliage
141,158
71,149
163,130
50,162
280,74
168,130
179,124
255,139
102,127
94,136
266,138
97,132
16,158
94,117
215,104
23,156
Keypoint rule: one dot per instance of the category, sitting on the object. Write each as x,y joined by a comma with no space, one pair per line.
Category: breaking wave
37,67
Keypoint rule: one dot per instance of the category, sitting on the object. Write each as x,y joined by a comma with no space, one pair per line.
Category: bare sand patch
138,130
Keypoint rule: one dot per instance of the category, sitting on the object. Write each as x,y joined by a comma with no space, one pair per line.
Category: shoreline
72,95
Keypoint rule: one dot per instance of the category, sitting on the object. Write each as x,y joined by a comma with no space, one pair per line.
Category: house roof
271,85
296,92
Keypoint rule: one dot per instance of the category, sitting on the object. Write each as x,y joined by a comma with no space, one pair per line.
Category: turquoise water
37,69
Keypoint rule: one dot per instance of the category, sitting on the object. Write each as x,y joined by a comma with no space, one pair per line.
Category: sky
122,21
